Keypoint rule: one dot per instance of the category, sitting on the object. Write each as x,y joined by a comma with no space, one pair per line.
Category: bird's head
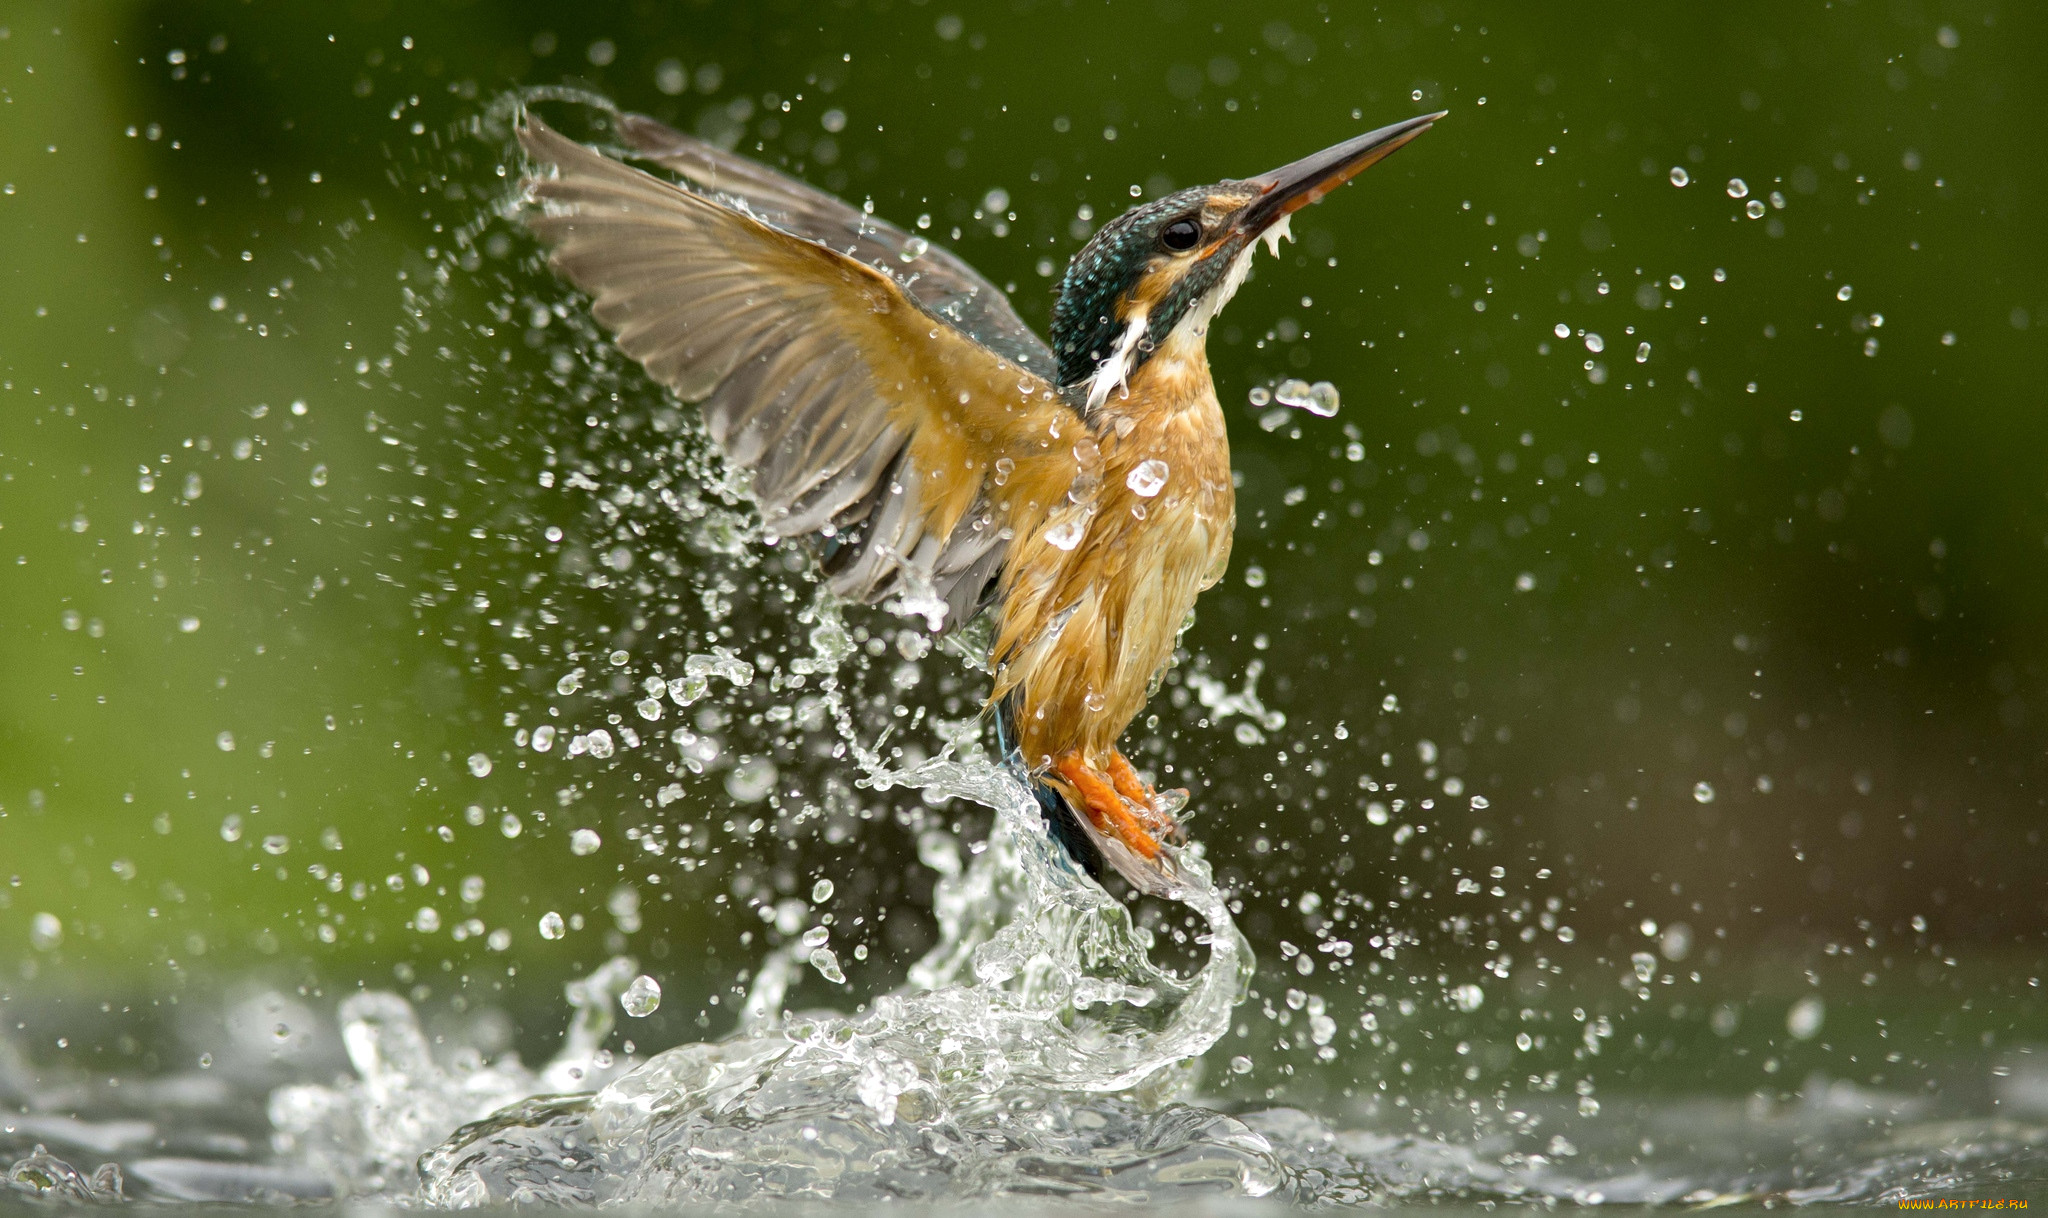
1174,262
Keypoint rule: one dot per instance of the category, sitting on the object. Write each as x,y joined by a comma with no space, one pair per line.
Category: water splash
1039,998
365,1134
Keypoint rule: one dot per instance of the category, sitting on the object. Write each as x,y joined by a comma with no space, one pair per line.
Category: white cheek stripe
1113,372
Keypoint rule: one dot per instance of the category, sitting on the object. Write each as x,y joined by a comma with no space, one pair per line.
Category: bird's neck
1176,377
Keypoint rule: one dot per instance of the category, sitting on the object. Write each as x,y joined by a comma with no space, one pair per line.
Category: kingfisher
885,399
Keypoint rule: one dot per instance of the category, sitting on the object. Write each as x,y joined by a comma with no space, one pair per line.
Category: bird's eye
1181,235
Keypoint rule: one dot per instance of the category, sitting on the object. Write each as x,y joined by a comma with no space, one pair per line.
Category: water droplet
1645,966
1255,576
479,764
1292,392
1260,396
648,709
1376,813
1703,792
914,249
570,683
827,965
1804,1019
45,931
1415,95
1845,292
1642,353
1004,468
146,483
1595,343
1322,400
642,997
231,827
225,742
584,841
1065,535
1754,209
751,780
1094,702
816,936
1737,188
1679,177
319,475
1468,997
510,825
599,742
821,892
472,889
1147,478
543,738
276,843
551,926
427,920
1677,283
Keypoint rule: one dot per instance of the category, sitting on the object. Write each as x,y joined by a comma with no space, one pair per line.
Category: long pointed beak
1290,188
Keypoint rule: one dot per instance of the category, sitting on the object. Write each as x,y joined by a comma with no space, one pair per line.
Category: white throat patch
1196,323
1111,374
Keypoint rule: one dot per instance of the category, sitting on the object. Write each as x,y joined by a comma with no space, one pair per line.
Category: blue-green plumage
1085,321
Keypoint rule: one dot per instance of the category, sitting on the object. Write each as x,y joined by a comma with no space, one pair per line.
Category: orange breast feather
1085,630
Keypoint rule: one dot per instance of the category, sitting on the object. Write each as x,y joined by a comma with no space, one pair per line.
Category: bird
887,401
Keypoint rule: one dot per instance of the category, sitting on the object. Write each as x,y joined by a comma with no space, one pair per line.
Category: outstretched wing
860,415
933,276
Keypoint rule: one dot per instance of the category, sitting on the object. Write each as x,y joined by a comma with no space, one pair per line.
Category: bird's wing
859,414
933,276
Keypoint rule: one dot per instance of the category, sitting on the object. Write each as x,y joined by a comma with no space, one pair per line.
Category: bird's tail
1062,820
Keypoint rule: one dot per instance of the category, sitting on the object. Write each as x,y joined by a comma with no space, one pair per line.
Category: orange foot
1154,809
1120,804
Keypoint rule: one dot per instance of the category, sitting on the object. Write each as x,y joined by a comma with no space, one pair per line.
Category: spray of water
1035,1039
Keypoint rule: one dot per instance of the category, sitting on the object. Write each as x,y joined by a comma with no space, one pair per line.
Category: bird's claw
1123,806
1155,809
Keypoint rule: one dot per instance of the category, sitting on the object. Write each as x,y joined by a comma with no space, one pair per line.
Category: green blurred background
1701,536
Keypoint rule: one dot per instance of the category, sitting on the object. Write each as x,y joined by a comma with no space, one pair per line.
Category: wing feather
860,411
932,275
